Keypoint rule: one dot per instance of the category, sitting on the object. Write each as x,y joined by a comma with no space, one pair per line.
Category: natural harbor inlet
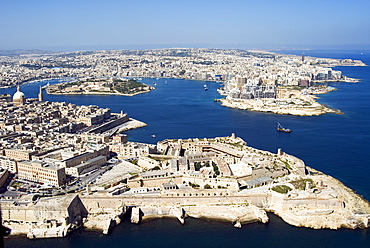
67,165
254,80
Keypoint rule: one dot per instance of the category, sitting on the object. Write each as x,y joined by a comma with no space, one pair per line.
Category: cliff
45,218
330,205
236,214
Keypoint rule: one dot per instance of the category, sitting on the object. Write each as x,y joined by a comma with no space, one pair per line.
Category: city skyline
95,25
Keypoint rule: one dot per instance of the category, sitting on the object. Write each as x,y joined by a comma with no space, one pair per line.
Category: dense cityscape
258,67
58,155
254,80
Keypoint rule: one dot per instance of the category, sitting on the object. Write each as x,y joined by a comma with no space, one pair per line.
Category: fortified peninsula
126,87
66,167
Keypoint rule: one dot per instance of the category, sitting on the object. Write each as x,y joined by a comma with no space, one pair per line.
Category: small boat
153,136
205,87
281,129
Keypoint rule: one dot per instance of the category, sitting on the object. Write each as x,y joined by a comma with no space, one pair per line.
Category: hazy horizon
235,24
170,46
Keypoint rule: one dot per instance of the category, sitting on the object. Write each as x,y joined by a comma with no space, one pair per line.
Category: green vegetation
16,184
301,183
237,144
128,87
120,85
207,186
215,169
199,165
62,86
282,189
287,165
194,185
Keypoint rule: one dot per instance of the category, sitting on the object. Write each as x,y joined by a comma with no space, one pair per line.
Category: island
112,86
65,166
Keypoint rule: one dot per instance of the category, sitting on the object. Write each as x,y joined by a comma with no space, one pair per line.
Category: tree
207,186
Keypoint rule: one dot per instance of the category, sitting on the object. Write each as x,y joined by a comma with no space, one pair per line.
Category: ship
281,129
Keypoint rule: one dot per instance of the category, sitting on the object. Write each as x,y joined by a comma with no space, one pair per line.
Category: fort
256,182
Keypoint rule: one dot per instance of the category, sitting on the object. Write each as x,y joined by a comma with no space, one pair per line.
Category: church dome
19,96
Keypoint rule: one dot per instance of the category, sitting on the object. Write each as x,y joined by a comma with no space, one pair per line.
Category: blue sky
114,24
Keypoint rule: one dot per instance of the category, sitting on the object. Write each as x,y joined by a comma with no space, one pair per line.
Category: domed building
19,98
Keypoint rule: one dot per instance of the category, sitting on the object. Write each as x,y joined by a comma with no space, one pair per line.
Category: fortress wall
31,213
64,210
97,205
92,204
111,124
314,203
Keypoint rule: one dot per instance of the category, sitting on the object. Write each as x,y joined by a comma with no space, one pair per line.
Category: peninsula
112,86
289,101
65,166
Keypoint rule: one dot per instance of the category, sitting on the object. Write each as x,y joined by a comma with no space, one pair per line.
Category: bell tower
41,95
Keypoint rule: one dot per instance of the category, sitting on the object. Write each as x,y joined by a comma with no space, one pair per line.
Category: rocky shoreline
300,195
98,93
258,105
335,207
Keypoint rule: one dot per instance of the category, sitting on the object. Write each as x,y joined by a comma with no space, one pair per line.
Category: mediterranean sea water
338,145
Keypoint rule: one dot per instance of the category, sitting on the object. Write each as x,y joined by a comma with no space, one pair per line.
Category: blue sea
338,145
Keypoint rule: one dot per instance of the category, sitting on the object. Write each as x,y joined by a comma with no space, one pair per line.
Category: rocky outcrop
237,214
103,222
135,215
150,212
47,218
330,205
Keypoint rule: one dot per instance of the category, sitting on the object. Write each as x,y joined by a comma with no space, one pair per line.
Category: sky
143,24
